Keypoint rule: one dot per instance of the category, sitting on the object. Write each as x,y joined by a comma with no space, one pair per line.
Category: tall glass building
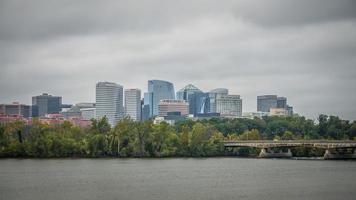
183,93
157,91
109,102
199,103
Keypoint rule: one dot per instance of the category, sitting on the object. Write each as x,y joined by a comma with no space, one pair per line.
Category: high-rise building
229,105
145,114
109,101
199,103
167,106
183,93
281,102
46,104
133,104
213,94
265,102
15,109
158,90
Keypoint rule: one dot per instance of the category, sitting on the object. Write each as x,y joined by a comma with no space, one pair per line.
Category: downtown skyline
303,51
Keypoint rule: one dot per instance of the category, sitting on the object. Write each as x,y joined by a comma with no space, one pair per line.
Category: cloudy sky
304,50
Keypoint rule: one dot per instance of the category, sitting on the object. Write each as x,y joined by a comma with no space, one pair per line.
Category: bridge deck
326,144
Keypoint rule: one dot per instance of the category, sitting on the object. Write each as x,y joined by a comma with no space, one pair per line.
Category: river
176,178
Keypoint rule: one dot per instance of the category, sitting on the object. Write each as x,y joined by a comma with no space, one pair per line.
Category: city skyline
211,90
304,51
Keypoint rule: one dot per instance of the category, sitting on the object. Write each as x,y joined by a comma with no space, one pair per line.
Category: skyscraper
158,90
109,101
213,94
229,105
199,103
46,104
183,93
145,114
133,104
265,102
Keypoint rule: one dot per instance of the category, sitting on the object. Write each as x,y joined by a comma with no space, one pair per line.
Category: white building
109,101
229,105
133,104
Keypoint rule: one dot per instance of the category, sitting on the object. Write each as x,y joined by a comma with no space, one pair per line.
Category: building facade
109,102
229,106
281,102
76,110
88,113
15,109
167,106
183,93
265,102
213,95
133,104
158,90
199,103
46,104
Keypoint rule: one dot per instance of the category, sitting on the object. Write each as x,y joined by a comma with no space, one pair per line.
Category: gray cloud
304,50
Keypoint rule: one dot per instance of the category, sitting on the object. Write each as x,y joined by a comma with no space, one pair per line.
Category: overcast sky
304,50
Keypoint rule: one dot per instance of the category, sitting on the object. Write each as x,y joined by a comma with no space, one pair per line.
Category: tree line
144,139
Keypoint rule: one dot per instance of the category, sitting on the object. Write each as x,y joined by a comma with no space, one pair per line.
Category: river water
163,179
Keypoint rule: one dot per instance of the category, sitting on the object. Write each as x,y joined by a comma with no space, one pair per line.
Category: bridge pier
270,153
334,154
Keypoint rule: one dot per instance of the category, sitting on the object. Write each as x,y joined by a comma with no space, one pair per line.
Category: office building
213,95
109,102
15,109
183,93
46,104
229,105
289,110
281,102
166,106
133,104
265,102
199,103
158,90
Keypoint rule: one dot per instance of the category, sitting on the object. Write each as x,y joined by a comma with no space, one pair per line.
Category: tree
287,135
253,134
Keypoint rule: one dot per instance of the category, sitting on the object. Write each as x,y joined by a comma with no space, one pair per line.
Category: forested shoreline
202,138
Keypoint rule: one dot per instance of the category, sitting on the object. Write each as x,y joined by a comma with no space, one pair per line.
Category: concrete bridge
334,149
